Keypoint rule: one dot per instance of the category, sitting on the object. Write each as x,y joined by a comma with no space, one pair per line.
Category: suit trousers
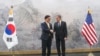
46,45
60,45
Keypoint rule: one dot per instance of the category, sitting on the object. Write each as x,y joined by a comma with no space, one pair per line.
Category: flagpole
90,46
12,52
90,53
90,49
12,47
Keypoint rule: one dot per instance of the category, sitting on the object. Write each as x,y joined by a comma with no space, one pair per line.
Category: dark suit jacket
60,32
46,34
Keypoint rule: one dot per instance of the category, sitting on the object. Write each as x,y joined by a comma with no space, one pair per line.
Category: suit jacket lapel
50,25
61,24
47,25
57,24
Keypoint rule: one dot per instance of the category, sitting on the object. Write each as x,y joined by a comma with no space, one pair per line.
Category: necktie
58,24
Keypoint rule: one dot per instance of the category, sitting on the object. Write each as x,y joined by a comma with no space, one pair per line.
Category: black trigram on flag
9,39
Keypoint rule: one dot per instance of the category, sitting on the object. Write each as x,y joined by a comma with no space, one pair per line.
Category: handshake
51,31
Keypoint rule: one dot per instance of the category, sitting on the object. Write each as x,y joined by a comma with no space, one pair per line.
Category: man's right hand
51,31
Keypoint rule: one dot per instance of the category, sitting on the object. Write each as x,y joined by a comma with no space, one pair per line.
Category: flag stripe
87,38
93,33
90,33
93,28
87,33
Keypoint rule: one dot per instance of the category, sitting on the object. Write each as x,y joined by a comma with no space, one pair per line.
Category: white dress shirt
48,24
59,23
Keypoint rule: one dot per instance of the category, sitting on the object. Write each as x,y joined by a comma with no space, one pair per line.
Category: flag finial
89,10
11,11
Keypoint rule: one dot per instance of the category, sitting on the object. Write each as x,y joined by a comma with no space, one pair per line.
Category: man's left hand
65,38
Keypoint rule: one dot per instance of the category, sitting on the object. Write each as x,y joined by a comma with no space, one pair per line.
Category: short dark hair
59,16
47,16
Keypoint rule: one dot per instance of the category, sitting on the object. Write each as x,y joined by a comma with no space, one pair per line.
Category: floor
70,54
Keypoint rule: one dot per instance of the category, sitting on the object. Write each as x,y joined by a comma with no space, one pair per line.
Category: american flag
88,30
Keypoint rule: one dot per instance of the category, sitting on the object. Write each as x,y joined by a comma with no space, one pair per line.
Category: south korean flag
9,35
